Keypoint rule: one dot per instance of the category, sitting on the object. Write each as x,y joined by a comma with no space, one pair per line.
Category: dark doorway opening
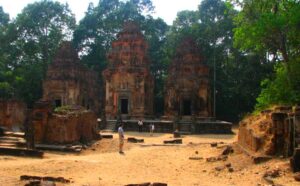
124,106
57,103
187,107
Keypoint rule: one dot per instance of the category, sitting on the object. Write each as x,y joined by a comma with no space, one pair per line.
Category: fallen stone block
228,150
222,158
272,173
211,159
33,183
46,178
159,184
214,144
40,183
218,158
175,141
195,158
107,136
230,169
25,177
219,168
261,159
140,184
56,179
228,165
135,140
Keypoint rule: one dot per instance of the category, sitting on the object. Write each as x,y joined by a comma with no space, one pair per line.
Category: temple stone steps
14,144
185,128
11,139
110,126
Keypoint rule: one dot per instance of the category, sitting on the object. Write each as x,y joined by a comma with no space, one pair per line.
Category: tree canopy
271,28
30,43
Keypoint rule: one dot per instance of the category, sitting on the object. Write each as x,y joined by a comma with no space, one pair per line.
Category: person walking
140,124
152,127
121,138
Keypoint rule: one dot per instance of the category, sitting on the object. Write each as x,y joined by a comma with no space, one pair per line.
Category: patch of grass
63,109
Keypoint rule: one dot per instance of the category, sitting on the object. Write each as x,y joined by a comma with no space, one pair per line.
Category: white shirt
152,127
121,132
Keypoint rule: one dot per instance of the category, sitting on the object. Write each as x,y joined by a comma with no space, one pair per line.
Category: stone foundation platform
209,126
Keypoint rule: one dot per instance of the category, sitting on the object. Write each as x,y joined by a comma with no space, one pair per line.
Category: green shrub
284,89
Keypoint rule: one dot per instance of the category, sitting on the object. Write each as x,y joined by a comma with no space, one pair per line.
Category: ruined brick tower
68,82
187,91
128,82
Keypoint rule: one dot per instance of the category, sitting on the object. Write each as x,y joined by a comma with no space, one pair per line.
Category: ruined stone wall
12,114
188,81
70,83
70,128
74,125
39,119
127,77
269,133
247,138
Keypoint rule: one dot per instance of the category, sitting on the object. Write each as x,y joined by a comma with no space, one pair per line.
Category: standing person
140,123
152,127
121,138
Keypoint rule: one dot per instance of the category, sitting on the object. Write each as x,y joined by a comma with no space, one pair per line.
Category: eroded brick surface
128,82
68,82
187,89
12,114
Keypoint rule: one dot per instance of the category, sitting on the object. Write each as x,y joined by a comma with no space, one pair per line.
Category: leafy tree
276,91
235,90
269,27
238,84
31,41
5,74
41,26
4,17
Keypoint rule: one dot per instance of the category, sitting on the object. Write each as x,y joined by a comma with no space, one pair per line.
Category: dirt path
101,164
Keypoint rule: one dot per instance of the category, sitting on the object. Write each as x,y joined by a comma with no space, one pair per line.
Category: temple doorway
124,106
57,103
187,105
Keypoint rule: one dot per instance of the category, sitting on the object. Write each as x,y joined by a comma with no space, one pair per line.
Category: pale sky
166,9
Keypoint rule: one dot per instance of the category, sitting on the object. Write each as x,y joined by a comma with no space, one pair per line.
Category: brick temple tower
128,82
187,88
68,82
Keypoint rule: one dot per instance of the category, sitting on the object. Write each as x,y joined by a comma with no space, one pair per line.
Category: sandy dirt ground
101,164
